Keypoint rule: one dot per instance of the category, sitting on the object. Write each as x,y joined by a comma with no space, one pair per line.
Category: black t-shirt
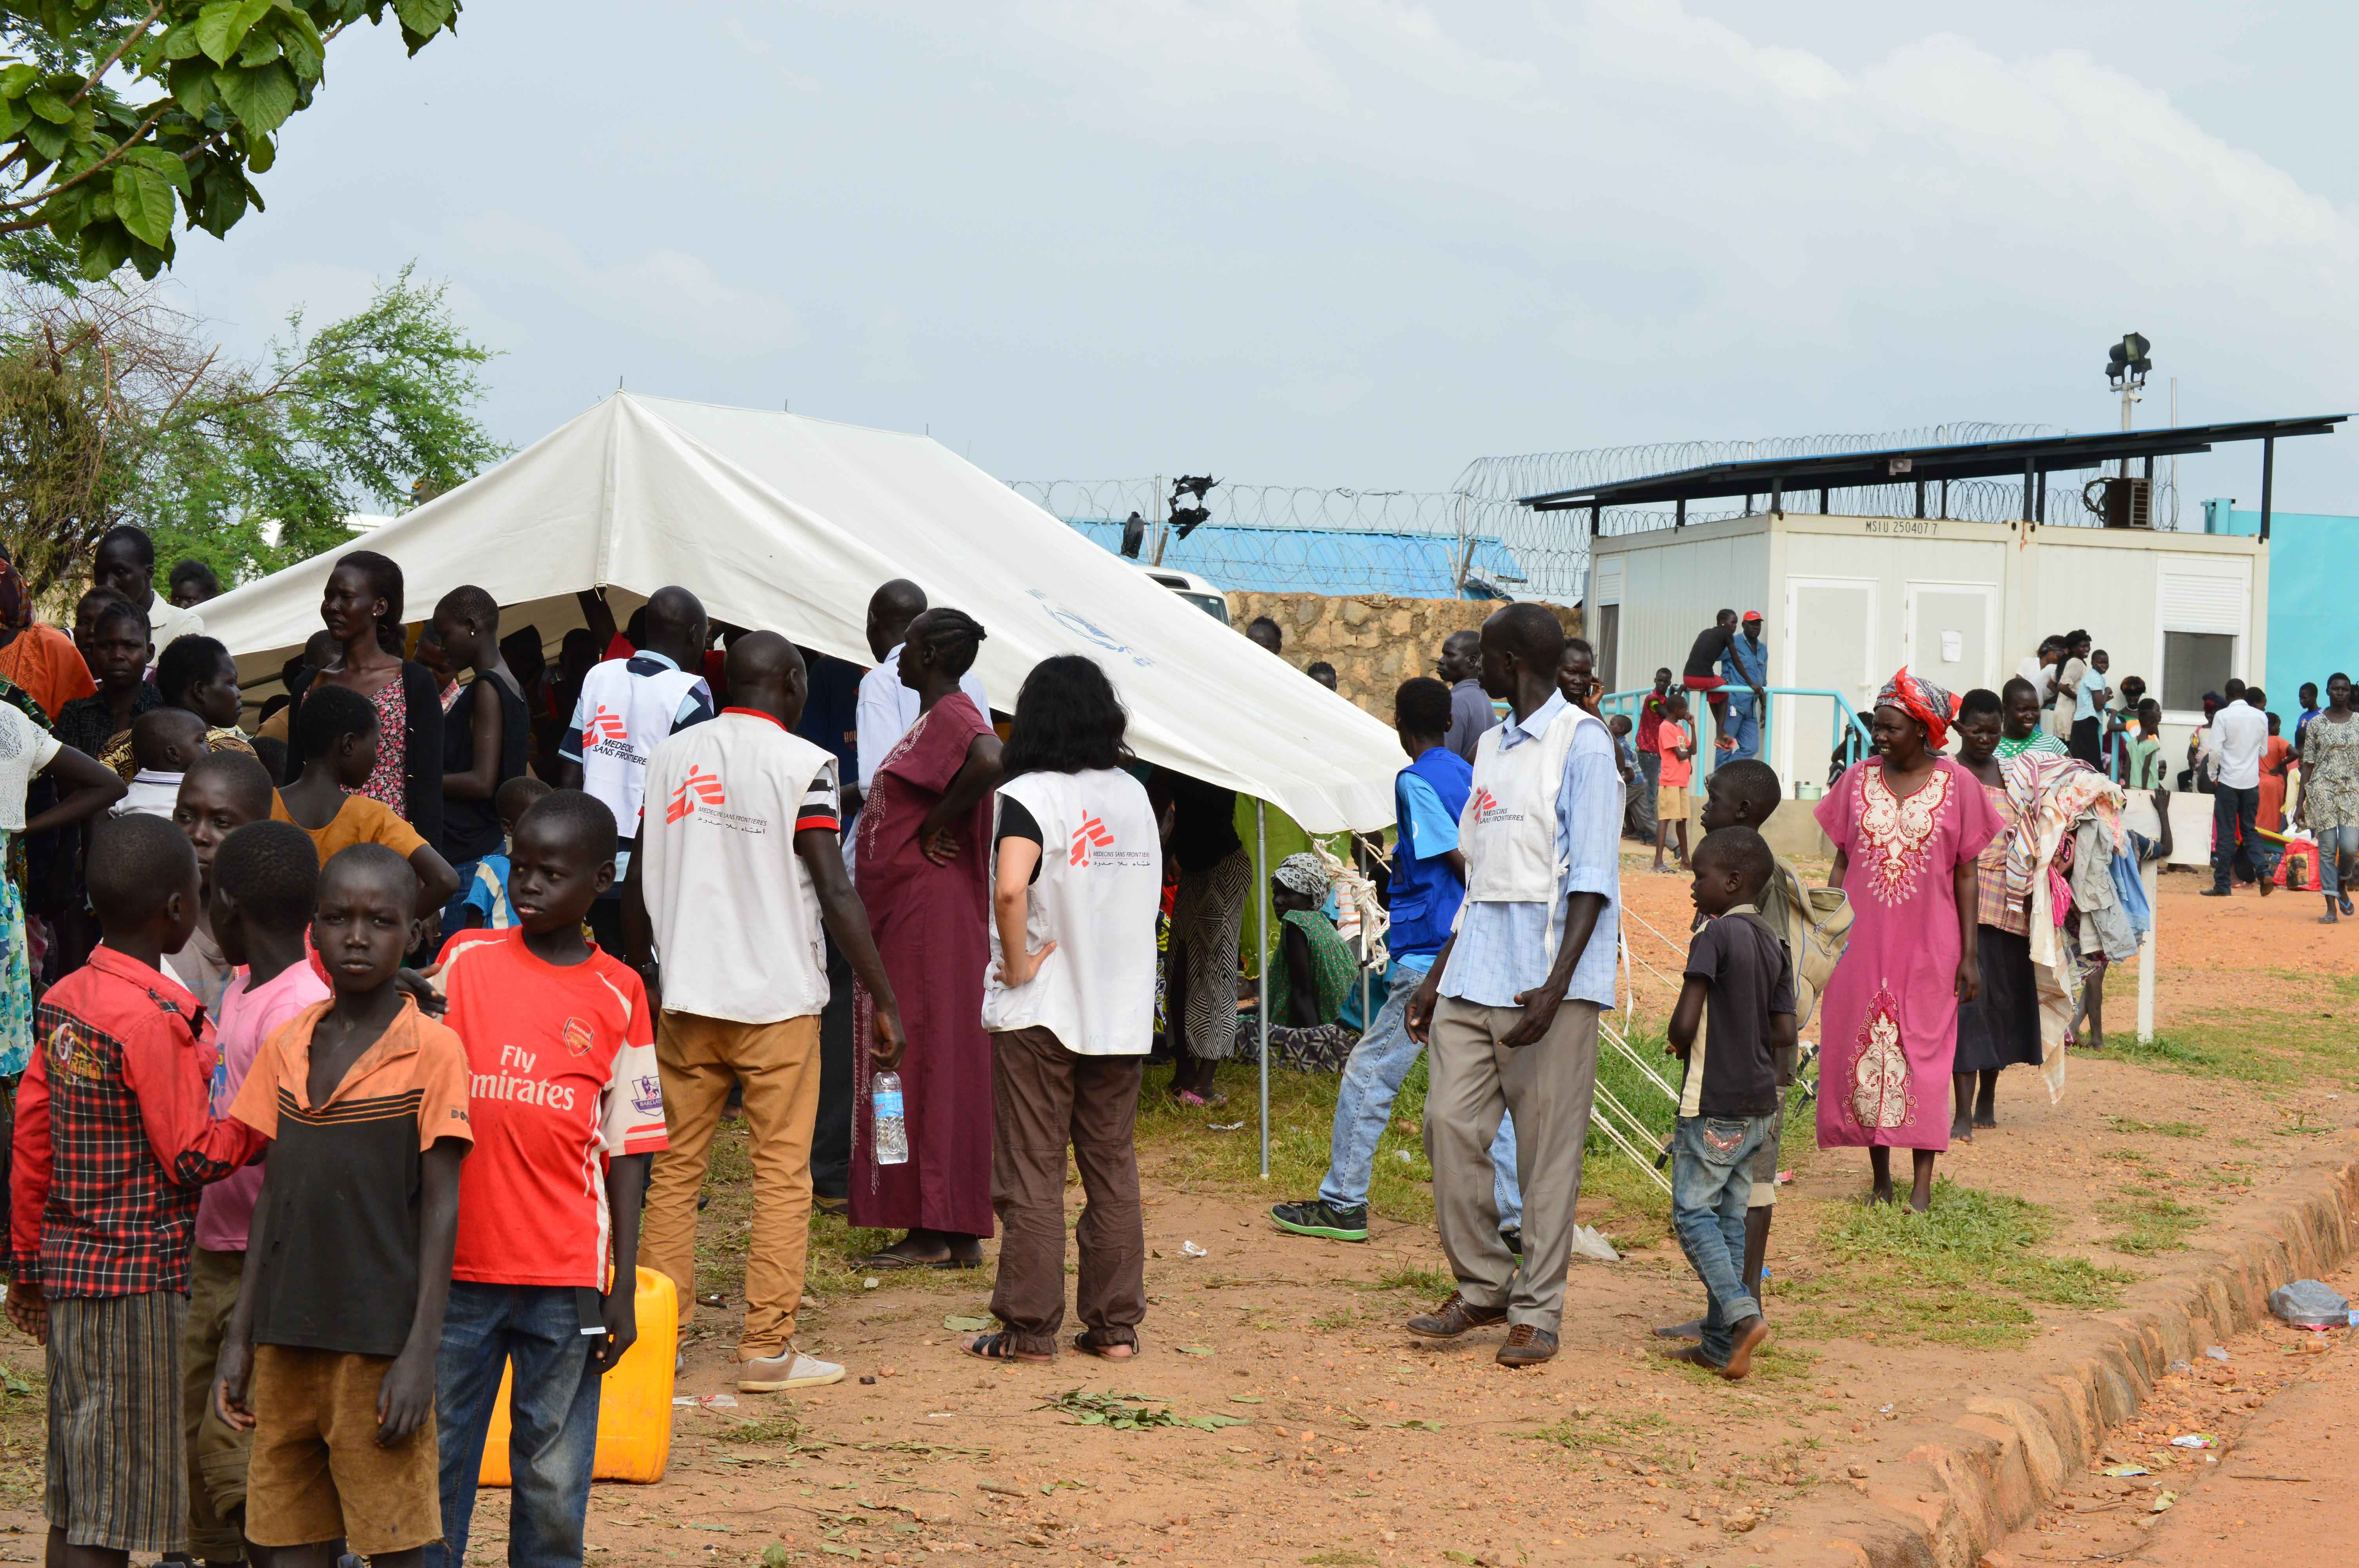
1016,821
1751,979
1709,650
471,829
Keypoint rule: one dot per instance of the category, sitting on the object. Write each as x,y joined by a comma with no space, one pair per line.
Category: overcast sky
1330,242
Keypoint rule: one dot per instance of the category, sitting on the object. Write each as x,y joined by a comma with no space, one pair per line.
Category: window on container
2193,664
1608,642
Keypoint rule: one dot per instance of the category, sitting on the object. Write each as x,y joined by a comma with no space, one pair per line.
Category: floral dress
1889,1016
388,784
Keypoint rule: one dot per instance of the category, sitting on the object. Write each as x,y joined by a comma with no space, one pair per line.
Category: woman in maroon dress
924,872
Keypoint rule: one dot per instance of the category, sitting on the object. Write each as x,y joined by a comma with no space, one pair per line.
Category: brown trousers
699,1058
1047,1098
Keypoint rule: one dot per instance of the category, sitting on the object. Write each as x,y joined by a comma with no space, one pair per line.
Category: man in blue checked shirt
1509,1013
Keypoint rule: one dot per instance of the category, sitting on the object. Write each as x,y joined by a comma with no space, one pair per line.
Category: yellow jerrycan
633,1401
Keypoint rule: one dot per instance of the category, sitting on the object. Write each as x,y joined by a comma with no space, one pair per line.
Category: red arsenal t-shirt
561,1076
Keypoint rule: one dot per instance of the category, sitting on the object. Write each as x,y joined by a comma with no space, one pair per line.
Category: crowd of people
369,1052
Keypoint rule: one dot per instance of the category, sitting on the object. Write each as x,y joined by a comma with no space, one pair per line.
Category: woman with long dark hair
362,611
1070,1004
923,871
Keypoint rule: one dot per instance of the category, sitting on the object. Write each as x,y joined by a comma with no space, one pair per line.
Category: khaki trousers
699,1058
1474,1081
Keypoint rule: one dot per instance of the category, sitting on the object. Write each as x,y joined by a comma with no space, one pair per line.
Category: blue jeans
2234,835
2338,857
1364,1104
1711,1182
1744,728
553,1409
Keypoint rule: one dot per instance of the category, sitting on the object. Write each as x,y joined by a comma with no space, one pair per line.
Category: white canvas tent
779,521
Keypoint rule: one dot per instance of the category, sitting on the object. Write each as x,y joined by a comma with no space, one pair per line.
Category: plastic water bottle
888,1133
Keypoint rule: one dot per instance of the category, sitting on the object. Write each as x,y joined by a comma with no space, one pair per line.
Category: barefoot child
264,881
1675,741
112,1146
562,1050
340,1313
1739,966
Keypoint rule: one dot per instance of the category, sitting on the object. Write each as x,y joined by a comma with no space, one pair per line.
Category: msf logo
1485,803
1092,834
697,789
604,725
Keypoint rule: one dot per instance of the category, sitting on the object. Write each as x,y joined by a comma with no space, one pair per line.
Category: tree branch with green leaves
116,118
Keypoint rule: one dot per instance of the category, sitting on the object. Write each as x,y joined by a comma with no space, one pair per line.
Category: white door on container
1949,634
1830,646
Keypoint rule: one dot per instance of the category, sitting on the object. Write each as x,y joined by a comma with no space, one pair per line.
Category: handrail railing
1855,739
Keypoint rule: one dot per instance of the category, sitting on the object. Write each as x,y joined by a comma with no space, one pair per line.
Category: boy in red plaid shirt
113,1144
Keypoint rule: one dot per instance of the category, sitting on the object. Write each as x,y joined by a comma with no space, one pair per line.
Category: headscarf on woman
1930,705
1303,874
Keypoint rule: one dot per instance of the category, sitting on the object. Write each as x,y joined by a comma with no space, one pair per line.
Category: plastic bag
2306,1303
1588,1243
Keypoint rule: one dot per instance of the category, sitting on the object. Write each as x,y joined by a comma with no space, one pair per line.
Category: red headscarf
1930,705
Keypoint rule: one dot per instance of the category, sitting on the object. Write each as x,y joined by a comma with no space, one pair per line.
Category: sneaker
1514,1239
789,1370
1317,1216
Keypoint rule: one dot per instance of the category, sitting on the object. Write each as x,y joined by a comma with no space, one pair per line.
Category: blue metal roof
1324,560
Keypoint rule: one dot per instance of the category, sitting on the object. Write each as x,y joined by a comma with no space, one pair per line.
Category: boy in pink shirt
265,878
1675,739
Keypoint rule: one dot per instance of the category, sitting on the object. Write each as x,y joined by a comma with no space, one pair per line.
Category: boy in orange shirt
339,1311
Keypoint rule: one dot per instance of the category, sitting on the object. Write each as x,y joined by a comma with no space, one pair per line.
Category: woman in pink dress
1907,825
924,872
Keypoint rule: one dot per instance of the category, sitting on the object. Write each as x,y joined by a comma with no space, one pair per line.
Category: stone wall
1374,641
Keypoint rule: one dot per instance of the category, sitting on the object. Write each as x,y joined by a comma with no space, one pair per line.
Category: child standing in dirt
1729,1099
1675,741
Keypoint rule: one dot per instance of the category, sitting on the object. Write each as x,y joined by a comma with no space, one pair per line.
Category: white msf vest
623,718
1508,827
1101,883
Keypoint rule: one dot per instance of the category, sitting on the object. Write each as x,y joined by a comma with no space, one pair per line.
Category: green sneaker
1318,1217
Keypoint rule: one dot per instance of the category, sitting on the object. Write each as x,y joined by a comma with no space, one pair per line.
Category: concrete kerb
1959,1488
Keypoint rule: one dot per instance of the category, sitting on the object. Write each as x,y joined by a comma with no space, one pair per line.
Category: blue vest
1426,893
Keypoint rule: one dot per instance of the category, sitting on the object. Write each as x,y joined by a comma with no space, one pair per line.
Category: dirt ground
1355,1444
2277,1418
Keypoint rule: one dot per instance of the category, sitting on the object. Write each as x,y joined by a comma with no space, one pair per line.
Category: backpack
1817,927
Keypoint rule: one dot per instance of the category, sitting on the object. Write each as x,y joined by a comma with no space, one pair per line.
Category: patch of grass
1417,1281
1342,1317
1131,1412
1178,1143
1968,1272
2222,1052
1342,1559
787,1426
2150,1225
1600,1429
2125,1124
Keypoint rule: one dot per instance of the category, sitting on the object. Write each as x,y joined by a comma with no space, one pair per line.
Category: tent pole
2145,962
1261,967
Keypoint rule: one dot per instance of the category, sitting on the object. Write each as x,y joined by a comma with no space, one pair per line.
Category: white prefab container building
1847,600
